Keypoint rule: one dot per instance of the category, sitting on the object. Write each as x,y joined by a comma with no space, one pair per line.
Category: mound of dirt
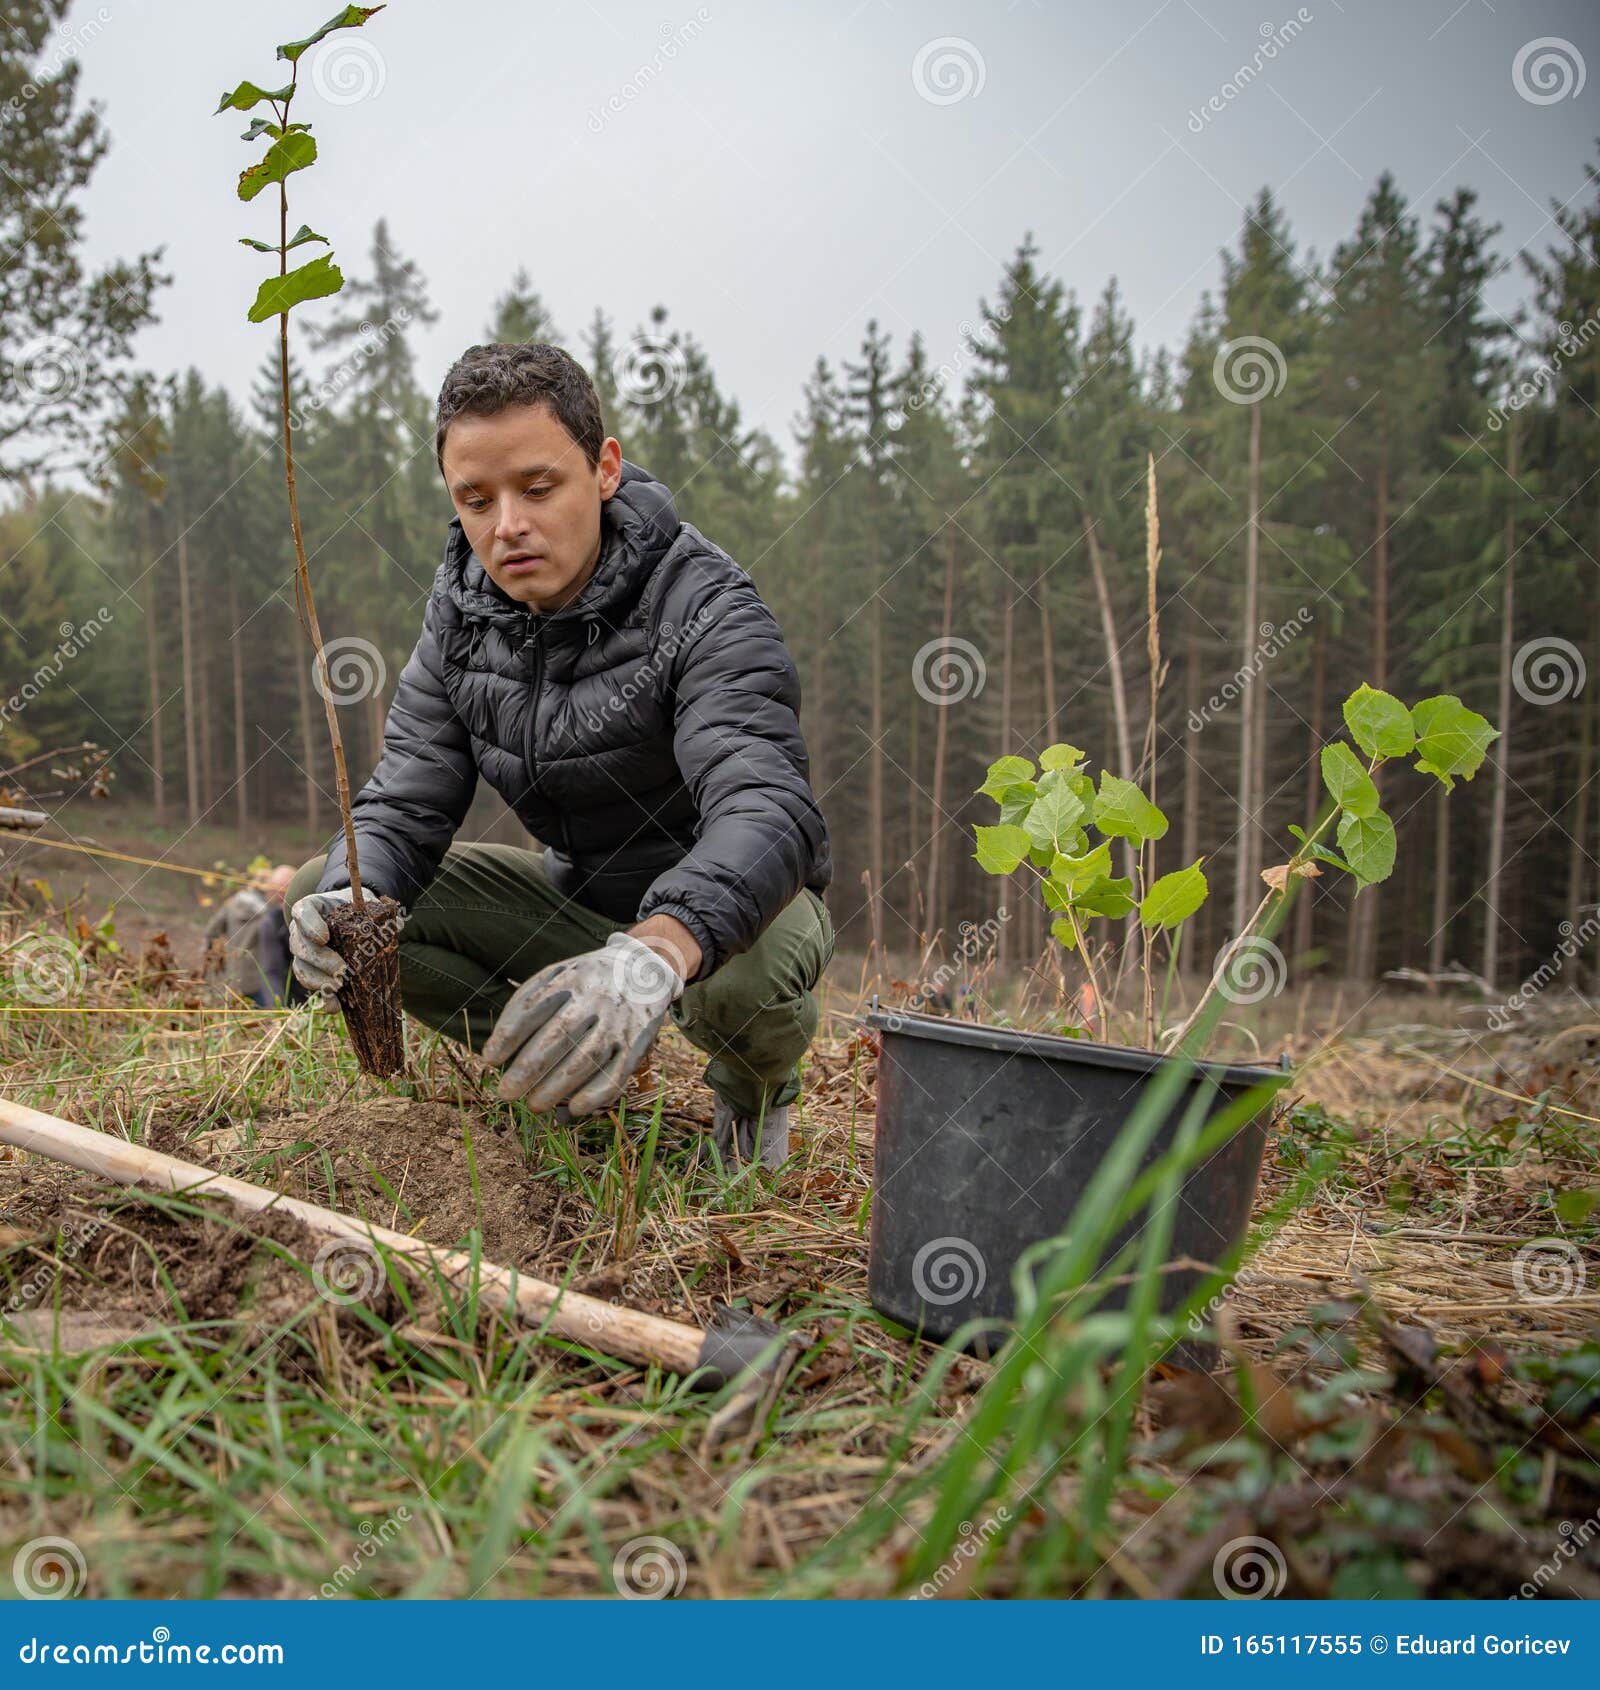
401,1164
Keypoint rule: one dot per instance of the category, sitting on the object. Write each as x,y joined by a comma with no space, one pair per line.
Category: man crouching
617,678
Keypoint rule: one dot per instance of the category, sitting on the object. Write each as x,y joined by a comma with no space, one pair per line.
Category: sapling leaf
1110,898
1065,932
1060,757
1352,787
1369,845
1017,800
278,294
301,236
1451,739
1174,897
1004,772
247,94
1001,849
1122,811
1378,722
284,157
1053,820
348,17
1077,872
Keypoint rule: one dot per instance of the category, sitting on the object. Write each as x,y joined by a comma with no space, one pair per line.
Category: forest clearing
991,998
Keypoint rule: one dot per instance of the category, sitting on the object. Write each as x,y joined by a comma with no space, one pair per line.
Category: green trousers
489,919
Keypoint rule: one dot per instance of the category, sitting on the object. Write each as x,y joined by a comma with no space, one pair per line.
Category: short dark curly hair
486,380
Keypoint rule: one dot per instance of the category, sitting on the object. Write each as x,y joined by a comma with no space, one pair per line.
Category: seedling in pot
1055,821
366,931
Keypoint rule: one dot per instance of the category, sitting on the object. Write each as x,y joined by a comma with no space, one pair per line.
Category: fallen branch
734,1344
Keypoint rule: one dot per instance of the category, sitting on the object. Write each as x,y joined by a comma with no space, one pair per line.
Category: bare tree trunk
202,647
1364,910
1501,750
152,654
1439,933
941,742
241,795
1048,654
875,841
186,641
1108,628
1191,761
1008,886
1303,939
1247,860
308,748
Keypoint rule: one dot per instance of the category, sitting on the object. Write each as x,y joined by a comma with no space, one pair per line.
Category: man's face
529,501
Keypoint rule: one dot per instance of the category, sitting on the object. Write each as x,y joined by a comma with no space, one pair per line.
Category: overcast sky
778,174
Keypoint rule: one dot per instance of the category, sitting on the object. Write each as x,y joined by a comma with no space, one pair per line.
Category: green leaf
1451,739
278,294
1007,771
1077,872
301,236
1054,818
1368,845
1124,812
1060,757
1174,897
349,17
247,94
1319,851
1063,930
1017,800
1378,722
1000,849
284,157
1352,787
1110,898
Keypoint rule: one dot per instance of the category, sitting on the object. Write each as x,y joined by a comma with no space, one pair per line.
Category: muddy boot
735,1136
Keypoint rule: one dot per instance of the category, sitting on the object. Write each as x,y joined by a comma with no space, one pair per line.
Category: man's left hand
576,1030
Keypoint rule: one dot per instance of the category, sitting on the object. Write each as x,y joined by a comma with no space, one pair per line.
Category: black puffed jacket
648,734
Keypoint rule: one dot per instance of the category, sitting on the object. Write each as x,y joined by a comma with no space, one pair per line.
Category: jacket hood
638,524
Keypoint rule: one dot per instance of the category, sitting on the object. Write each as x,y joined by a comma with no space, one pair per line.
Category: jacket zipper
536,640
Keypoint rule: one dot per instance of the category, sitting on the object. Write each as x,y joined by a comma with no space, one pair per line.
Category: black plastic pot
986,1139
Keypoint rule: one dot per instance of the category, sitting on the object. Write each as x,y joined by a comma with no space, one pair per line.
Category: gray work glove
317,966
576,1030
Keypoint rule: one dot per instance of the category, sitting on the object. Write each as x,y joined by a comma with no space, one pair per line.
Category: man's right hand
317,966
